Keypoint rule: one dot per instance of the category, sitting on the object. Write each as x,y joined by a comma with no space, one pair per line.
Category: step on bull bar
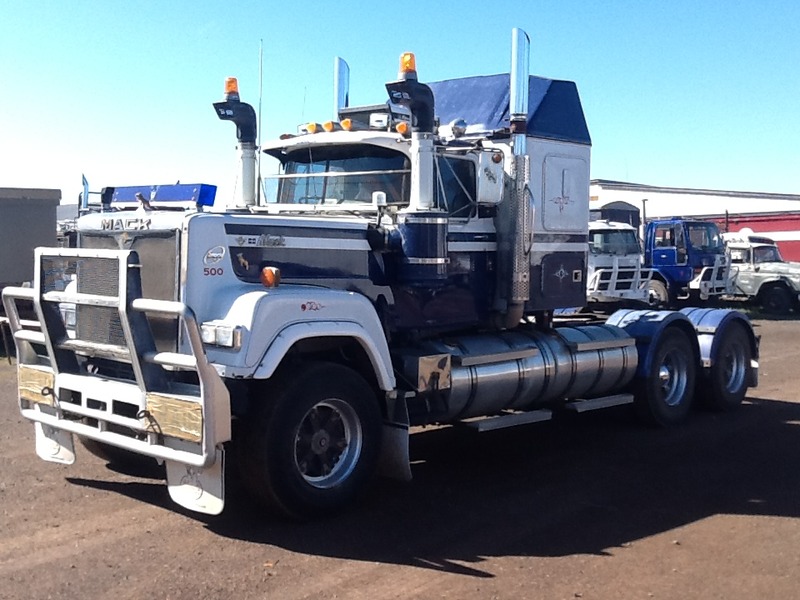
619,282
714,280
90,311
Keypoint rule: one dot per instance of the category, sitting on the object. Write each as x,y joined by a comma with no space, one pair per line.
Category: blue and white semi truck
402,269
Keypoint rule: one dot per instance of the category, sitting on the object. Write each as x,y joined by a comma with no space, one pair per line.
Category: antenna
260,122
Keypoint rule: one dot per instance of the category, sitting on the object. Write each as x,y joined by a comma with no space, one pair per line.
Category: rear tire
309,449
728,380
664,397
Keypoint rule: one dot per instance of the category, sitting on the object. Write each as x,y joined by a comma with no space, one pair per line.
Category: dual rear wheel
664,396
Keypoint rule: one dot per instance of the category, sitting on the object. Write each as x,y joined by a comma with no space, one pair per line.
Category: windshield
762,254
614,241
338,174
705,237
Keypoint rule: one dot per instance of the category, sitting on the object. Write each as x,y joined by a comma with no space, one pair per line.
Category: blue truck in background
688,261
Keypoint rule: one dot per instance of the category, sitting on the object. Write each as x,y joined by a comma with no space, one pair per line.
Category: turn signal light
270,277
402,128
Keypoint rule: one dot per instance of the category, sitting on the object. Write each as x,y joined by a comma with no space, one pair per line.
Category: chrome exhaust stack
521,202
341,86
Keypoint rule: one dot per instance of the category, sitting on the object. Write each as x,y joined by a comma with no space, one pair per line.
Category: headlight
217,333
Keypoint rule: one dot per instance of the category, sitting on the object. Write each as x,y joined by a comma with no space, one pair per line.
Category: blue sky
683,93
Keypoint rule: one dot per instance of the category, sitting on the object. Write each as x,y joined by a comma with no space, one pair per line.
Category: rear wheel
776,300
728,379
310,449
664,396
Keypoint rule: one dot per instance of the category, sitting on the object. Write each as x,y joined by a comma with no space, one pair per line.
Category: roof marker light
347,124
310,128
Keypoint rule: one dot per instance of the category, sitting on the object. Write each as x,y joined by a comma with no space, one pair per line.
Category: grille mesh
99,324
158,255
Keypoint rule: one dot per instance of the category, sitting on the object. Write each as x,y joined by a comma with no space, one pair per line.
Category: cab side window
664,236
455,188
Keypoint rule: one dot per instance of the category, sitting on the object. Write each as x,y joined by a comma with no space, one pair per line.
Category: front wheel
664,396
311,447
657,294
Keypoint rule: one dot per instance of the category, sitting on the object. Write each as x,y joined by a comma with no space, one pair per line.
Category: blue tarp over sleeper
554,107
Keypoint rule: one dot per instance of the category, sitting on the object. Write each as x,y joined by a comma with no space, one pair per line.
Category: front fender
273,320
376,349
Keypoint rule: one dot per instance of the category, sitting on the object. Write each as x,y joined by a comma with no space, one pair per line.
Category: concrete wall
27,220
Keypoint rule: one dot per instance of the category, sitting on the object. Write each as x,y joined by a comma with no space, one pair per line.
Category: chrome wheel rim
673,378
327,443
734,368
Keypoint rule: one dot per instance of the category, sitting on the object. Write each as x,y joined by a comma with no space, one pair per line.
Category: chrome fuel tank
521,370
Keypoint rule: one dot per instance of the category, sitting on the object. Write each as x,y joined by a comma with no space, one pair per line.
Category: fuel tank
523,370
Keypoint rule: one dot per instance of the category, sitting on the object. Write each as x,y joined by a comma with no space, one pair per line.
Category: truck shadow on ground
585,485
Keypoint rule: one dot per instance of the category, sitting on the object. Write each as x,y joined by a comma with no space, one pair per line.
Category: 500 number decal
212,271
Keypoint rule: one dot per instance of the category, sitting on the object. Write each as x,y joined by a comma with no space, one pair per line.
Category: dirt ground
591,507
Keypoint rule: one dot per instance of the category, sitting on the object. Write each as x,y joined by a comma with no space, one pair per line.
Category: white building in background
774,215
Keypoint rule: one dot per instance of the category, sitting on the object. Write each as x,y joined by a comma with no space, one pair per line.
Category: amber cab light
270,277
408,62
231,88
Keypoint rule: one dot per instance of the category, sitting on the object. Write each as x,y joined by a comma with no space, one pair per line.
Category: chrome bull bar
151,412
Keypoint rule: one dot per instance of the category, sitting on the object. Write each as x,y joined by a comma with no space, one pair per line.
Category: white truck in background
761,274
615,275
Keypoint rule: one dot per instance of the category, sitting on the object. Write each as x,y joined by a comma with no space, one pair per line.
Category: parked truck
762,276
615,272
688,261
306,335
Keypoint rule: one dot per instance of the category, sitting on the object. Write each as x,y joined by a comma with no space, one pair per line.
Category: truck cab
688,260
614,270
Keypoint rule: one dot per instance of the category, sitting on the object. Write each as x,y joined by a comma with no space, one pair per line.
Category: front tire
657,294
309,450
664,397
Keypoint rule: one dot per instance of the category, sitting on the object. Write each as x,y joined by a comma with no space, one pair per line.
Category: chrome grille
159,259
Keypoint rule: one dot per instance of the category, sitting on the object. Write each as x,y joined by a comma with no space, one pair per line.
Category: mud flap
54,445
198,489
394,459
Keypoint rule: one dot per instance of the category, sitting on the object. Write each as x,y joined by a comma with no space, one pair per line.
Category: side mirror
490,178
